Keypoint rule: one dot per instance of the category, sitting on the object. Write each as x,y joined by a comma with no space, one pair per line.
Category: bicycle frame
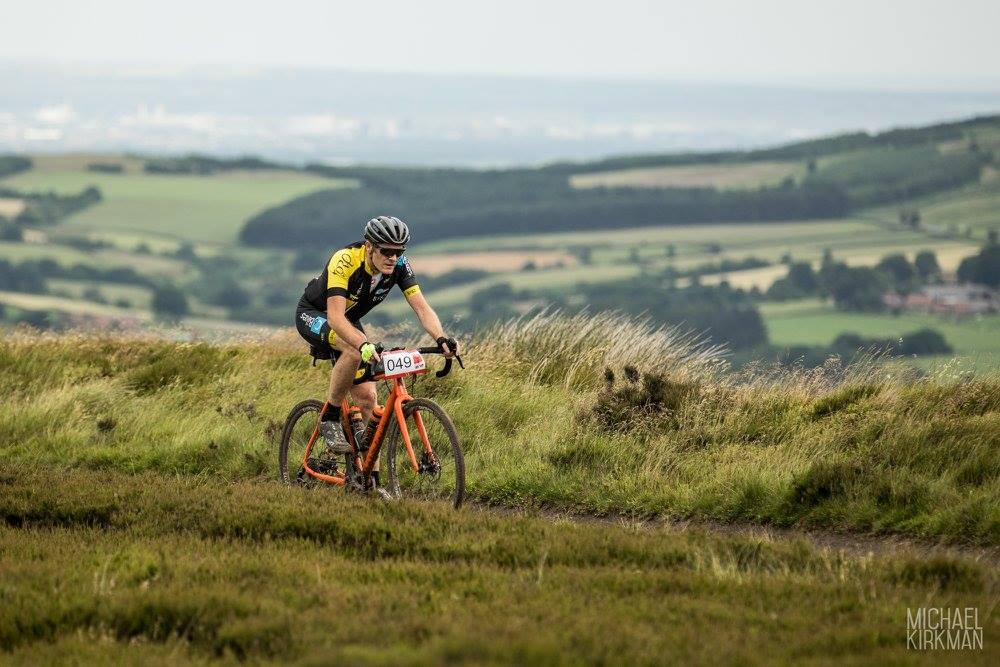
397,398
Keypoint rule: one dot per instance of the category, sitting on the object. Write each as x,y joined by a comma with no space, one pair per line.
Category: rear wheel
439,476
299,427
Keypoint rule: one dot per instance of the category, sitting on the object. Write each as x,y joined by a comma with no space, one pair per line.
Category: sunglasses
390,252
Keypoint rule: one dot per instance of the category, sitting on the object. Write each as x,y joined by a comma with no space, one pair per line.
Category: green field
949,256
160,212
974,208
859,242
192,208
207,211
150,265
65,255
54,303
140,297
681,235
720,176
205,321
813,323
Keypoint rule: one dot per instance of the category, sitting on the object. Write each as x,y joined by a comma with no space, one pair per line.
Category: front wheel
441,475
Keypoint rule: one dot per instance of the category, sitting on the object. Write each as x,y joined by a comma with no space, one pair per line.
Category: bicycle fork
428,462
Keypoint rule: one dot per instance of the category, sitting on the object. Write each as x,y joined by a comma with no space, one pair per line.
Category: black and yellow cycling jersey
349,275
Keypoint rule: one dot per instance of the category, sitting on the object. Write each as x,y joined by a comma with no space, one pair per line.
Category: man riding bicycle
356,279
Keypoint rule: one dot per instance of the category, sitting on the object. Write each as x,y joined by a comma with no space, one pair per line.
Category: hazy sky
903,43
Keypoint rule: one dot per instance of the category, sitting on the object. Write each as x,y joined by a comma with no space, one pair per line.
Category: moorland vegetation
141,518
599,414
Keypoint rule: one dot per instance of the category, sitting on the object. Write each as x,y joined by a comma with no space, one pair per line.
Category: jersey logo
342,265
317,325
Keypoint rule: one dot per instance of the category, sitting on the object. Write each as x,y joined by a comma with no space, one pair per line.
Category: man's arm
346,333
428,319
338,271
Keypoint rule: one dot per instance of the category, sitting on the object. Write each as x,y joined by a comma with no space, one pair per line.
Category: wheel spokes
298,442
435,473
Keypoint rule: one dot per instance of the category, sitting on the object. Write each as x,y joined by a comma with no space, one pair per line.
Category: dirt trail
855,544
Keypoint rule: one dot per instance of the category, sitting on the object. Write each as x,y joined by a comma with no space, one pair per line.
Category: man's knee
348,352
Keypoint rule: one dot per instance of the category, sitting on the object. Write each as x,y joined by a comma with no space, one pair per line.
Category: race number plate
402,362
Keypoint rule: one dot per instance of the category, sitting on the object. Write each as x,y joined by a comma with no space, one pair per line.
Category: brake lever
460,364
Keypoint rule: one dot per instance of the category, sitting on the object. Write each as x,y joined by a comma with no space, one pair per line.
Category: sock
332,414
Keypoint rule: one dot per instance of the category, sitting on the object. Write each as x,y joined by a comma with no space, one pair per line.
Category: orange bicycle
436,470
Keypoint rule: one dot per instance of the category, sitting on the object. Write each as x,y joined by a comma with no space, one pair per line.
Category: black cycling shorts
313,326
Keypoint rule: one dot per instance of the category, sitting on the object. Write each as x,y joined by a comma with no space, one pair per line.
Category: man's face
383,257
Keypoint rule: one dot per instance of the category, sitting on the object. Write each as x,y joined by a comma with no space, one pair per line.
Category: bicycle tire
288,434
404,481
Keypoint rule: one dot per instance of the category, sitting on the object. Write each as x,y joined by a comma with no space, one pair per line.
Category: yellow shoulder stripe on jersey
342,265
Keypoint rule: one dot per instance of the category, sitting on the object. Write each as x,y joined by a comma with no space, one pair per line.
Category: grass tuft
645,399
823,481
844,398
941,572
184,365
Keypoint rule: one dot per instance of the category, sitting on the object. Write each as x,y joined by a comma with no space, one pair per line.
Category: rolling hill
826,178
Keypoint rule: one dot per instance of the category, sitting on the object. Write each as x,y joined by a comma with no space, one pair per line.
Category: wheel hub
429,466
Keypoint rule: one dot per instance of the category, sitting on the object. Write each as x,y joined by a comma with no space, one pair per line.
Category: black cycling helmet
385,229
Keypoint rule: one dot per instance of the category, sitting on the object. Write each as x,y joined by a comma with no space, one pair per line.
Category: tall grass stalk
573,351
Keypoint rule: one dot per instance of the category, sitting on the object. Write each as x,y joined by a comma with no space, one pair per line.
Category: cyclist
356,279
